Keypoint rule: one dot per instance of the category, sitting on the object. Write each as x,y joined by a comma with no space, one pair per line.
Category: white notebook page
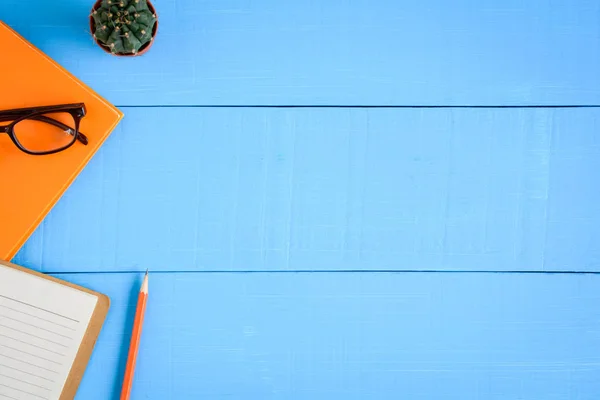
42,324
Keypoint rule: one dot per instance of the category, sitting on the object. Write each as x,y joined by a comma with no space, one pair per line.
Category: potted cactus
124,27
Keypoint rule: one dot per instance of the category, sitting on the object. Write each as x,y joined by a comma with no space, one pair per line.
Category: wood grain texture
336,52
333,189
352,336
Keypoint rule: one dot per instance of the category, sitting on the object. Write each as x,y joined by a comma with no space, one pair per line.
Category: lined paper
42,324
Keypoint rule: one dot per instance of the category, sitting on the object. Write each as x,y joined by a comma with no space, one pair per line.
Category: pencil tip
146,271
145,283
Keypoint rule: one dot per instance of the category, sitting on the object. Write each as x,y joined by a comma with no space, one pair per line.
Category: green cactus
124,26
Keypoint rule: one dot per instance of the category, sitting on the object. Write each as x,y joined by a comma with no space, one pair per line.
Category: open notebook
48,329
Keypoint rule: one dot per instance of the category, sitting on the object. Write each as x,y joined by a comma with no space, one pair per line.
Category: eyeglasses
44,130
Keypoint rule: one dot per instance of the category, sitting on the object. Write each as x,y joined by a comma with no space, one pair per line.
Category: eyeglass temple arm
7,115
12,115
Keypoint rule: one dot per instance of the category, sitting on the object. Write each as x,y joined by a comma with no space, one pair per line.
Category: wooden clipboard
91,334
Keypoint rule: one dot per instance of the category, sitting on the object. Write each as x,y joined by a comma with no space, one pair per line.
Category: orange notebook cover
31,185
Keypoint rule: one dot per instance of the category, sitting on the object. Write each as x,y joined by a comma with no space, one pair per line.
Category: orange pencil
135,339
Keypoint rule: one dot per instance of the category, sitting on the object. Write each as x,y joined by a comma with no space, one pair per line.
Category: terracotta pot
142,50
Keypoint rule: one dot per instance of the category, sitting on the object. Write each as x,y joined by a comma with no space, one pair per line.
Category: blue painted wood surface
352,336
336,189
333,189
359,52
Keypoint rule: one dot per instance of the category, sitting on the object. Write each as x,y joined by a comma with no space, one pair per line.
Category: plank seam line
381,271
360,107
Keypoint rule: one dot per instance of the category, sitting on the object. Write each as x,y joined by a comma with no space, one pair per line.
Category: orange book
30,185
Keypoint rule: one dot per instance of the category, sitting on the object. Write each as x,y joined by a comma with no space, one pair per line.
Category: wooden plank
360,52
333,189
352,336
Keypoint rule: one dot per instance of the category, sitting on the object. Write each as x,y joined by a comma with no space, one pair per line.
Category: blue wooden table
340,199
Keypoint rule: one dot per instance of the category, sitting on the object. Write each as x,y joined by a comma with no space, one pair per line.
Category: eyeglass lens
46,132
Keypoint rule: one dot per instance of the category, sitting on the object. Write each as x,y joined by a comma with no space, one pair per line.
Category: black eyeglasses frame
76,110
